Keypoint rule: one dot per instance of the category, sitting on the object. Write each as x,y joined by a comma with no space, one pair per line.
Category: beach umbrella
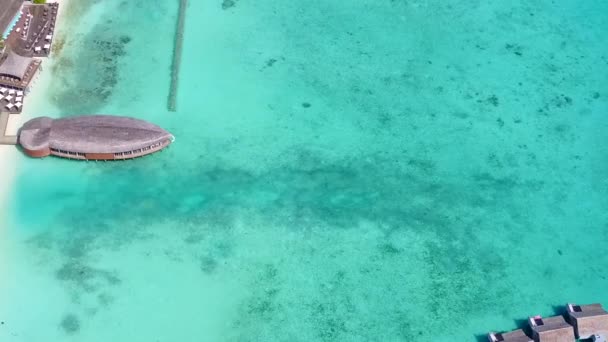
2,90
19,93
10,106
18,105
8,98
18,99
11,91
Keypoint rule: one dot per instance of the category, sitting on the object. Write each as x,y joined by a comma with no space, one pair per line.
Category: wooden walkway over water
177,55
6,139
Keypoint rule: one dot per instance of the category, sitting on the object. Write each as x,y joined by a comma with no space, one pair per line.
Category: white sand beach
10,155
8,161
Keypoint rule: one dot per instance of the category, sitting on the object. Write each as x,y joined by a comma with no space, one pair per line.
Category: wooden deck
41,24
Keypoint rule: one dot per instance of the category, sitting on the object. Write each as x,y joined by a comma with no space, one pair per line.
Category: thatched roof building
100,137
588,320
551,329
15,66
17,71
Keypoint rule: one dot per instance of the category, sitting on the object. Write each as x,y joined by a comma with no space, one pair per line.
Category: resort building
27,32
551,329
512,336
34,30
92,137
588,320
16,74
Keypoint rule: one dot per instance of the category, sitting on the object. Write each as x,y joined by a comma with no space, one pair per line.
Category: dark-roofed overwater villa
92,137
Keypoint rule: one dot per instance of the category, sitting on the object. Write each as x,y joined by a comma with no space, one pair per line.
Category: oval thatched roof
91,134
34,135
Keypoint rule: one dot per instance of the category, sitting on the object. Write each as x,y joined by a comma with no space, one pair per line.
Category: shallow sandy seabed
370,170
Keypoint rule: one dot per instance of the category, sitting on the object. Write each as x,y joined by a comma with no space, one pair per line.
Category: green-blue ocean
362,170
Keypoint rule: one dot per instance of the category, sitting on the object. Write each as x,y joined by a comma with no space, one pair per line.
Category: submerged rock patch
70,324
226,4
96,68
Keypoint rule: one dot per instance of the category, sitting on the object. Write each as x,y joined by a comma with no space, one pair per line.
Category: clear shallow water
390,171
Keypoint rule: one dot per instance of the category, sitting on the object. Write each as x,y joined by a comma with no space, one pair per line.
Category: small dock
177,55
6,139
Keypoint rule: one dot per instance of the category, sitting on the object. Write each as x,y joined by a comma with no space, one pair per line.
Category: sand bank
8,163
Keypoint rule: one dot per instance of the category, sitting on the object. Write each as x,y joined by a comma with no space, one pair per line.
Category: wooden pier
6,139
177,55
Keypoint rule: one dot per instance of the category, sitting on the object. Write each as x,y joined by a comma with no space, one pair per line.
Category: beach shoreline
8,158
10,155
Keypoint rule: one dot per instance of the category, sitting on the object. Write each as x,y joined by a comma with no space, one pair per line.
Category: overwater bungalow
92,137
551,329
588,320
512,336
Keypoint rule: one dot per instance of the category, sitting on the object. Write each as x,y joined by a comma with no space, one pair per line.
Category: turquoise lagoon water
343,171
